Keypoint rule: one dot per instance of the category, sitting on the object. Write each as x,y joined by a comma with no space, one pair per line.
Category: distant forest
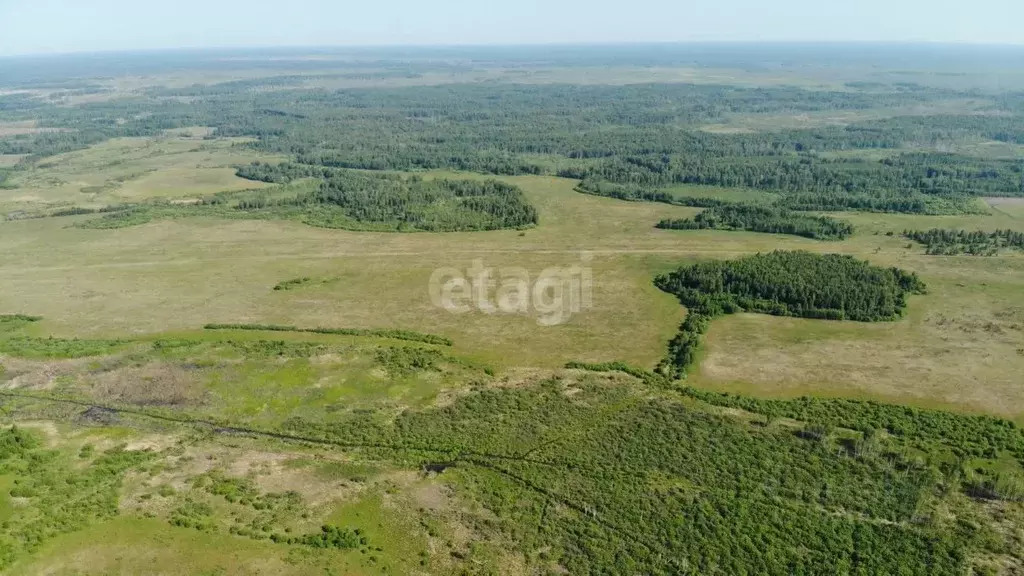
643,136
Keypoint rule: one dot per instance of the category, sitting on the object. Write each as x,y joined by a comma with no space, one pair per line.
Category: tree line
411,203
942,242
768,219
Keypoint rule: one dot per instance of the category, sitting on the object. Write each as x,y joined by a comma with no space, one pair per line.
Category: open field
1010,207
130,169
795,121
21,128
9,159
223,271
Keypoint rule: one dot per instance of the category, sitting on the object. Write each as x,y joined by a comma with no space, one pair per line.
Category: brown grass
155,384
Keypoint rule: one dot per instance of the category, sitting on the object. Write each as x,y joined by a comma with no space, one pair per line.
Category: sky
58,26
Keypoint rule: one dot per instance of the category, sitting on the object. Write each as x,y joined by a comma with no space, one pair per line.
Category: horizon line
555,44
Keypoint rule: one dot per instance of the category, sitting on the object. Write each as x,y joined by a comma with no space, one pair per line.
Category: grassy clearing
729,194
21,128
384,333
741,123
1011,207
130,169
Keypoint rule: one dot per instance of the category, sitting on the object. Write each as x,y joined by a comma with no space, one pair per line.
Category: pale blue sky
38,26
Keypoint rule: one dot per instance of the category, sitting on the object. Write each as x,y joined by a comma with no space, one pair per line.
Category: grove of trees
769,219
803,284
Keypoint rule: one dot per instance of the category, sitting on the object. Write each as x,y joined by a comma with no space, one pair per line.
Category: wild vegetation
60,495
644,136
608,480
638,194
242,447
754,218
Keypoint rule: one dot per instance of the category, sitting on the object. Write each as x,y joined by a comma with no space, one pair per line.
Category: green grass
140,545
29,347
485,443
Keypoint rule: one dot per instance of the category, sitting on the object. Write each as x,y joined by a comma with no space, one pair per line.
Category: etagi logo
554,295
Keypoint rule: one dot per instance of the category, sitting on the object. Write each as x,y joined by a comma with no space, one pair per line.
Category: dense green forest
755,218
830,286
940,242
909,182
